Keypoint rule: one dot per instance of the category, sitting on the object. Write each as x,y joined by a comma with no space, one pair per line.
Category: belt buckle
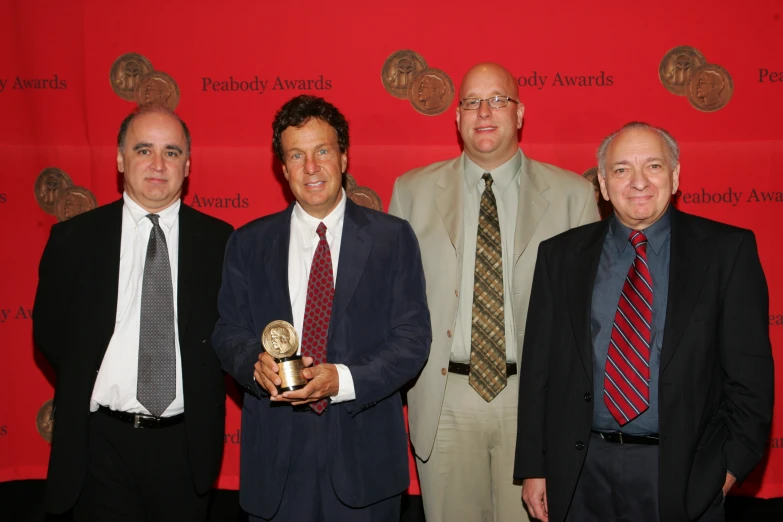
136,420
620,434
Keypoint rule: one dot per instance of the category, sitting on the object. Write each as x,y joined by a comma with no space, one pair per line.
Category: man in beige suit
479,249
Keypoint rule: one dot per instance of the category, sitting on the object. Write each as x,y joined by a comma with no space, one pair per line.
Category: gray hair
673,152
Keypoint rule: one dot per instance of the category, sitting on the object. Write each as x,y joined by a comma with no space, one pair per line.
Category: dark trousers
619,483
138,474
309,495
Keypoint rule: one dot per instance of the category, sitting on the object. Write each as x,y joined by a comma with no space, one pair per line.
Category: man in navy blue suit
350,280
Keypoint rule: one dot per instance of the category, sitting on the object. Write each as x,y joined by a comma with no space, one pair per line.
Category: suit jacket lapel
276,263
581,267
187,270
354,250
107,266
448,199
532,206
686,276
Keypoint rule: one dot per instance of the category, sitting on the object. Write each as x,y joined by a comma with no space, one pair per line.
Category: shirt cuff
346,391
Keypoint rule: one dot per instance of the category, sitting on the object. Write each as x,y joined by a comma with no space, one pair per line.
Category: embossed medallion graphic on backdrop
56,195
48,186
684,71
405,75
363,196
44,420
125,74
133,78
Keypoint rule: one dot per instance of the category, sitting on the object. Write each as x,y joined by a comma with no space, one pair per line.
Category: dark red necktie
318,308
627,373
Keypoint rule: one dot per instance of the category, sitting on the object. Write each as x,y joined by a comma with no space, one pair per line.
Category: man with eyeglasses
479,219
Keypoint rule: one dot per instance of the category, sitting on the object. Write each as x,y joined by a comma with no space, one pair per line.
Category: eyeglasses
496,102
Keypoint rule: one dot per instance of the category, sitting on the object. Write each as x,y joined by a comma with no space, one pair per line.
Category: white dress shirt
505,187
301,250
115,386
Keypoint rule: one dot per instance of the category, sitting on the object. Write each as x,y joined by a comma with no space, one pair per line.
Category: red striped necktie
627,373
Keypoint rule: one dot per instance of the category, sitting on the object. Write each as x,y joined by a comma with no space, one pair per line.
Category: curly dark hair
298,111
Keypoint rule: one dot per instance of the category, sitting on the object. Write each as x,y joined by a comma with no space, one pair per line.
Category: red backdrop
733,152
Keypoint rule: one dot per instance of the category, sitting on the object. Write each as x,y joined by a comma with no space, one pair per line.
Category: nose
484,110
639,180
311,166
157,164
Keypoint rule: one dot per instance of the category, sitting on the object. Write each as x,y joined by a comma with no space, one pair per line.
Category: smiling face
490,135
154,161
314,166
639,180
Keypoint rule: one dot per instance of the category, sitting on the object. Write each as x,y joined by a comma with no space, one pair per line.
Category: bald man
479,219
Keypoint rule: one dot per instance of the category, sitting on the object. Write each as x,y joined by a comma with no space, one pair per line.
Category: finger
312,372
535,506
300,395
307,361
267,373
268,361
265,383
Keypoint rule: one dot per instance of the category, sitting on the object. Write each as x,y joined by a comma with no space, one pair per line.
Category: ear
187,168
602,184
520,114
285,172
120,161
457,116
676,179
344,161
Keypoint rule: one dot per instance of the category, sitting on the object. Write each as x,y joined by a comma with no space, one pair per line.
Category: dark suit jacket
380,329
73,321
716,376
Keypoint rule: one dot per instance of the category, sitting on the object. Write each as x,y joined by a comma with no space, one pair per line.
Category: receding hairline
671,149
491,68
152,109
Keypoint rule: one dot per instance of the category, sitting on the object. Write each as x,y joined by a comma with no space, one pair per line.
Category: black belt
615,437
464,369
140,420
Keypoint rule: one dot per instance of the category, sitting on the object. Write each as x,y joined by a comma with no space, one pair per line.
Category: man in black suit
350,281
647,377
131,357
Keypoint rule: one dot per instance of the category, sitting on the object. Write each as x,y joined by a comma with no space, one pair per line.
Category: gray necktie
157,379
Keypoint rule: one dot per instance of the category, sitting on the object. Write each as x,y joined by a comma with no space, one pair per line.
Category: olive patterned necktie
488,344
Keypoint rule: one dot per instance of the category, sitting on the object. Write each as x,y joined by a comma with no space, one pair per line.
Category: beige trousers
469,476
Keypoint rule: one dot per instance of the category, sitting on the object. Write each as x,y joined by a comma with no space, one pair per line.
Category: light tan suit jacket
551,200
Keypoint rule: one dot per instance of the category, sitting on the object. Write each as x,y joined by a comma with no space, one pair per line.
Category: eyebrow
647,160
496,92
147,145
315,147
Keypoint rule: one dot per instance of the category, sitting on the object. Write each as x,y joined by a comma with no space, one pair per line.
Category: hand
323,381
265,373
534,497
730,481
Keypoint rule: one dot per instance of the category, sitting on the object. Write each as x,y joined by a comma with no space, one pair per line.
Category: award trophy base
290,373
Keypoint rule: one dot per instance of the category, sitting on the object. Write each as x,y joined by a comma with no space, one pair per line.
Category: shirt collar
168,216
334,221
656,234
502,177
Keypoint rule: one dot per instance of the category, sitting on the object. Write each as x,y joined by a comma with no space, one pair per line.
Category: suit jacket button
448,334
588,397
456,293
443,371
579,445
